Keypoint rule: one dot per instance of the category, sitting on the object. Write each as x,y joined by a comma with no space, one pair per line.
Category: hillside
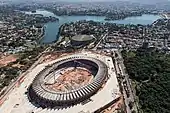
150,72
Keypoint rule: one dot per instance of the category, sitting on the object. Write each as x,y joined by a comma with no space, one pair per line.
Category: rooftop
82,38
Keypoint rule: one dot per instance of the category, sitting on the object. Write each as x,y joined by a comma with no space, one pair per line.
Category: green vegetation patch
150,70
26,59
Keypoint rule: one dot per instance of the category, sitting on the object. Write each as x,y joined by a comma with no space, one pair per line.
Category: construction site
70,79
85,82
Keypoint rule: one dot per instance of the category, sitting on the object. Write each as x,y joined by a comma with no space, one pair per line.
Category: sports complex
84,82
81,40
68,82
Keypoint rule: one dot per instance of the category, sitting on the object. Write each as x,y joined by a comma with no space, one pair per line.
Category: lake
52,28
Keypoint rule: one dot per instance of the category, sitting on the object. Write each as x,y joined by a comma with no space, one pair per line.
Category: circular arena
81,40
68,82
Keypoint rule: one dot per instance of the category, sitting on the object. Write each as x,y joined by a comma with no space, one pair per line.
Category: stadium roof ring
44,97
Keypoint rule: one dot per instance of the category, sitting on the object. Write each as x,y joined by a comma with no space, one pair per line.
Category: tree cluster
150,70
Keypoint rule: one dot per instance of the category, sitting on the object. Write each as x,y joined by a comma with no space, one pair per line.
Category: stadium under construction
84,82
69,89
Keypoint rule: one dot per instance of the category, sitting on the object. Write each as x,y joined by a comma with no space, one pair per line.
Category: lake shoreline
52,29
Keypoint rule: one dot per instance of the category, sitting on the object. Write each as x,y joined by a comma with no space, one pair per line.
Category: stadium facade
41,95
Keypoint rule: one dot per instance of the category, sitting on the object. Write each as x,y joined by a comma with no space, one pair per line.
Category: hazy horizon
143,1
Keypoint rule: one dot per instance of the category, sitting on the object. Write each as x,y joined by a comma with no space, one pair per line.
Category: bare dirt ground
52,56
71,79
5,60
115,107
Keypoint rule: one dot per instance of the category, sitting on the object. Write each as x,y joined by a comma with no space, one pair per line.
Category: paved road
95,48
124,92
127,83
